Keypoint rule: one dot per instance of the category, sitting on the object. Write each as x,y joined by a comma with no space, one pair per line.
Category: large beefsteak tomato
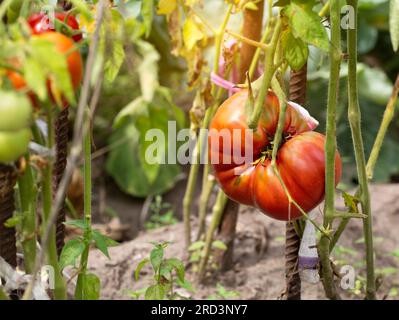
300,158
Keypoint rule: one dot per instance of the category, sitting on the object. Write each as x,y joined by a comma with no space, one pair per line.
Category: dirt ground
259,256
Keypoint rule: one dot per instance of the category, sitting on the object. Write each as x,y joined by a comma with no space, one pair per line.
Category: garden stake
292,239
61,147
8,249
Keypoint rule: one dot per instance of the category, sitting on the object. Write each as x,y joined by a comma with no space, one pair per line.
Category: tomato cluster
40,27
300,159
15,108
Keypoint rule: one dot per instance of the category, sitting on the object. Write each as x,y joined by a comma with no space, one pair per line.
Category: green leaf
103,242
35,78
155,292
306,25
88,287
196,246
217,244
148,70
15,220
185,285
147,12
80,224
178,266
54,65
140,266
295,50
394,23
71,252
128,162
156,257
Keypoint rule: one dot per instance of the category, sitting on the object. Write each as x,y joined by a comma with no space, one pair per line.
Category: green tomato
13,144
15,111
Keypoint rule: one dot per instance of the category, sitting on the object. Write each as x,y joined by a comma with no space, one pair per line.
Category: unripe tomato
300,158
15,111
40,23
13,144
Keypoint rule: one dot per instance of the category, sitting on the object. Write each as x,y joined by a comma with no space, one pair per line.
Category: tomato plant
300,159
68,25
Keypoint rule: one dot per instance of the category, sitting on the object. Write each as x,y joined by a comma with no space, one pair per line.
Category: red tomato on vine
41,23
300,158
74,62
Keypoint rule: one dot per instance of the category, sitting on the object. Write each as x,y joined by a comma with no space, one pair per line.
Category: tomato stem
270,69
354,116
330,150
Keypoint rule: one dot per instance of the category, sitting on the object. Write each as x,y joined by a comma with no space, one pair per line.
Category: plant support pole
354,116
8,249
61,149
292,239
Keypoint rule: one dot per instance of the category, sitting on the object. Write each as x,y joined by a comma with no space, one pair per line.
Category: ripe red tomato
40,23
300,158
74,61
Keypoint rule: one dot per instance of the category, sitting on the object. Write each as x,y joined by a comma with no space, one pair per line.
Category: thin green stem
207,187
194,168
80,287
330,150
386,120
270,69
218,44
354,115
217,213
28,196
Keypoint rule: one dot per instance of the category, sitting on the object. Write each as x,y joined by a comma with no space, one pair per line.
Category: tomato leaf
306,25
71,252
80,224
394,23
147,12
102,242
155,292
178,266
140,266
88,287
156,257
295,50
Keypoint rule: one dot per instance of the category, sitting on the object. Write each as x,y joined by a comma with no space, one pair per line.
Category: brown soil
259,255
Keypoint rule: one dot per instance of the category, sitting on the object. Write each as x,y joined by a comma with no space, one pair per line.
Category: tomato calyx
267,152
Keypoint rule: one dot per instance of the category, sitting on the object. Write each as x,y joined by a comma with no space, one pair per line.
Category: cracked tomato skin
300,159
39,23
